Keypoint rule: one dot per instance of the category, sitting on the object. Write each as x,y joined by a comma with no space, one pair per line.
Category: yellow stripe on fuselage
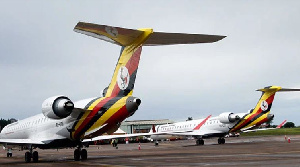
110,112
257,120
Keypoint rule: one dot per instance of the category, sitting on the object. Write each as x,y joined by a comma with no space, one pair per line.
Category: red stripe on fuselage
92,114
201,123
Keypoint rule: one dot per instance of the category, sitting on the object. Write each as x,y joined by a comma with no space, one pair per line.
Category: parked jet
64,123
226,122
218,126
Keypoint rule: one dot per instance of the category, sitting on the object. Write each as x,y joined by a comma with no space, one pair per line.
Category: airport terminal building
142,126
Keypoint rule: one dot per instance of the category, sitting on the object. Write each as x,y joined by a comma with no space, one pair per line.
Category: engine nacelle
57,107
228,117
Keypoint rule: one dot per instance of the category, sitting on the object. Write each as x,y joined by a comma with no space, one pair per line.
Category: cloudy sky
41,56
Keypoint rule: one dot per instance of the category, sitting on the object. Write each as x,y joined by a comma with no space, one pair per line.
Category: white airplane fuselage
212,127
41,127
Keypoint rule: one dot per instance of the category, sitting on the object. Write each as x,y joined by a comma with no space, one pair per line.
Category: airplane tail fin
131,41
261,112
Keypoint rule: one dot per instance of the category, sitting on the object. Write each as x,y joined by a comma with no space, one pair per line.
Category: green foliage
4,122
281,131
289,125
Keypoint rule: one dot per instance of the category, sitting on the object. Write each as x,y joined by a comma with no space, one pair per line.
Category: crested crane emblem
264,105
123,78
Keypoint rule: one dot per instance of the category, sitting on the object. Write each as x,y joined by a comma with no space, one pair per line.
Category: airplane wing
255,130
196,133
105,137
20,141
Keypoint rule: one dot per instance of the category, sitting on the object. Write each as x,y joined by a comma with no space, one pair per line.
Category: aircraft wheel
222,141
83,154
27,157
35,156
76,155
202,142
219,141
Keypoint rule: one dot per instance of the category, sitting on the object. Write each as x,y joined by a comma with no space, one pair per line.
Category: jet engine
57,107
228,117
132,104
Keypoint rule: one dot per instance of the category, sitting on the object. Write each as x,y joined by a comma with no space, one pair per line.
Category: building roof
148,122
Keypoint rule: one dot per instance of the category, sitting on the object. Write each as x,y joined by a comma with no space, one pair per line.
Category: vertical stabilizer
261,112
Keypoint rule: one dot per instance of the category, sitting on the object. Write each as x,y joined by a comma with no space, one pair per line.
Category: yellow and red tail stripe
257,116
132,66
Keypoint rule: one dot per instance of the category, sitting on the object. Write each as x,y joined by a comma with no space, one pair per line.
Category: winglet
201,123
280,125
153,129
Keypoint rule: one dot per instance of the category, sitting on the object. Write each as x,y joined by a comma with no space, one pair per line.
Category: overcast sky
41,56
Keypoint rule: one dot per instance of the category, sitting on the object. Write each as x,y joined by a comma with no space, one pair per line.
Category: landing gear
221,140
34,155
27,157
80,153
83,154
199,142
76,154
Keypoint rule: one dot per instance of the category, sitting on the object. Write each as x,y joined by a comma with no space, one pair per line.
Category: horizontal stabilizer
163,38
277,88
126,37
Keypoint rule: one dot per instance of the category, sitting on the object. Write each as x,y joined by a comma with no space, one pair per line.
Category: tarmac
237,151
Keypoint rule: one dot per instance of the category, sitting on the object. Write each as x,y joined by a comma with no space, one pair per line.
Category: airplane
217,126
225,123
64,123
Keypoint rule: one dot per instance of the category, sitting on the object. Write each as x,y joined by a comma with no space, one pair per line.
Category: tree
4,122
289,125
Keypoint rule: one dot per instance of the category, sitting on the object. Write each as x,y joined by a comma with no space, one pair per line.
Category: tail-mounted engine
228,117
57,107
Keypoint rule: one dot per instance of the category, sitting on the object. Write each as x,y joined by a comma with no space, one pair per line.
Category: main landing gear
31,155
221,140
80,153
199,142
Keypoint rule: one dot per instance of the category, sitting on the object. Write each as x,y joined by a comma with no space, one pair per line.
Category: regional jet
64,123
225,123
